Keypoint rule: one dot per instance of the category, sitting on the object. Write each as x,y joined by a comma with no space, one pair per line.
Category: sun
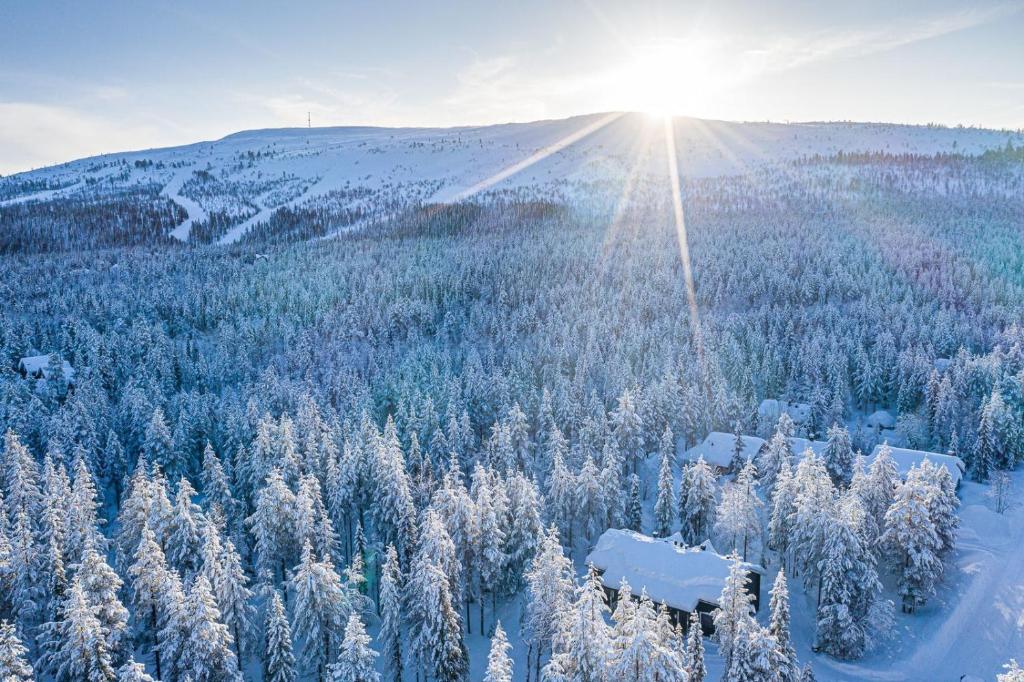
667,78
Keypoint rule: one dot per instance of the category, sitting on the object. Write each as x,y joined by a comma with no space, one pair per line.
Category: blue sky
86,77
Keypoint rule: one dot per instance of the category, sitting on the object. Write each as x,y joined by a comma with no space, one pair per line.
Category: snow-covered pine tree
550,586
217,488
437,643
75,645
585,641
499,663
26,564
838,455
490,539
391,613
7,577
695,650
783,509
628,426
14,665
132,672
207,653
753,654
877,491
738,520
738,459
448,533
183,545
278,660
697,508
591,498
318,609
943,502
100,584
149,579
736,608
634,507
612,492
815,499
913,541
83,517
785,664
850,618
393,509
158,447
525,527
770,460
561,496
355,657
637,654
272,526
234,598
665,506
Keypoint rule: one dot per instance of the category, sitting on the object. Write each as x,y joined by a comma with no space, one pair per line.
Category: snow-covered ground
971,627
276,168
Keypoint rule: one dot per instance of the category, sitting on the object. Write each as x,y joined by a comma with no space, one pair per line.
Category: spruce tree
634,507
183,531
499,664
100,584
585,639
391,613
76,645
14,666
838,455
697,509
278,660
695,650
132,672
736,608
664,507
739,514
355,657
913,541
784,660
207,654
318,609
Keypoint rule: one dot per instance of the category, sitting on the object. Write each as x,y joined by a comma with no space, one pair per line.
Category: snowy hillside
235,183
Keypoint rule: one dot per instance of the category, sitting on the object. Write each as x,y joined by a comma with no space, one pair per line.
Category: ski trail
172,190
41,196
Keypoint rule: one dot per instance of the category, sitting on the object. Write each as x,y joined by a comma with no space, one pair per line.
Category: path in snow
975,623
41,196
172,190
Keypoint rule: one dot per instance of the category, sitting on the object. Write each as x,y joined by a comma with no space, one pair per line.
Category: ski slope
255,173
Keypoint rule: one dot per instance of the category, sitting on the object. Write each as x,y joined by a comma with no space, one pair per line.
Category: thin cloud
796,51
34,135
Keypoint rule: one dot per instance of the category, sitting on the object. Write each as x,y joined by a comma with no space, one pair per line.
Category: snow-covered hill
243,179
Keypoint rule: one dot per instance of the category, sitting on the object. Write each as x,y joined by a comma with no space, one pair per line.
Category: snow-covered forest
387,455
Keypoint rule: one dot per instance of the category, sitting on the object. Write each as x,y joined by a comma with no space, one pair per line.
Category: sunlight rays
680,225
536,157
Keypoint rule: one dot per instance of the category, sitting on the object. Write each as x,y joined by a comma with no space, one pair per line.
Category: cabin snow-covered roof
883,419
905,459
675,576
718,447
773,409
799,445
39,366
